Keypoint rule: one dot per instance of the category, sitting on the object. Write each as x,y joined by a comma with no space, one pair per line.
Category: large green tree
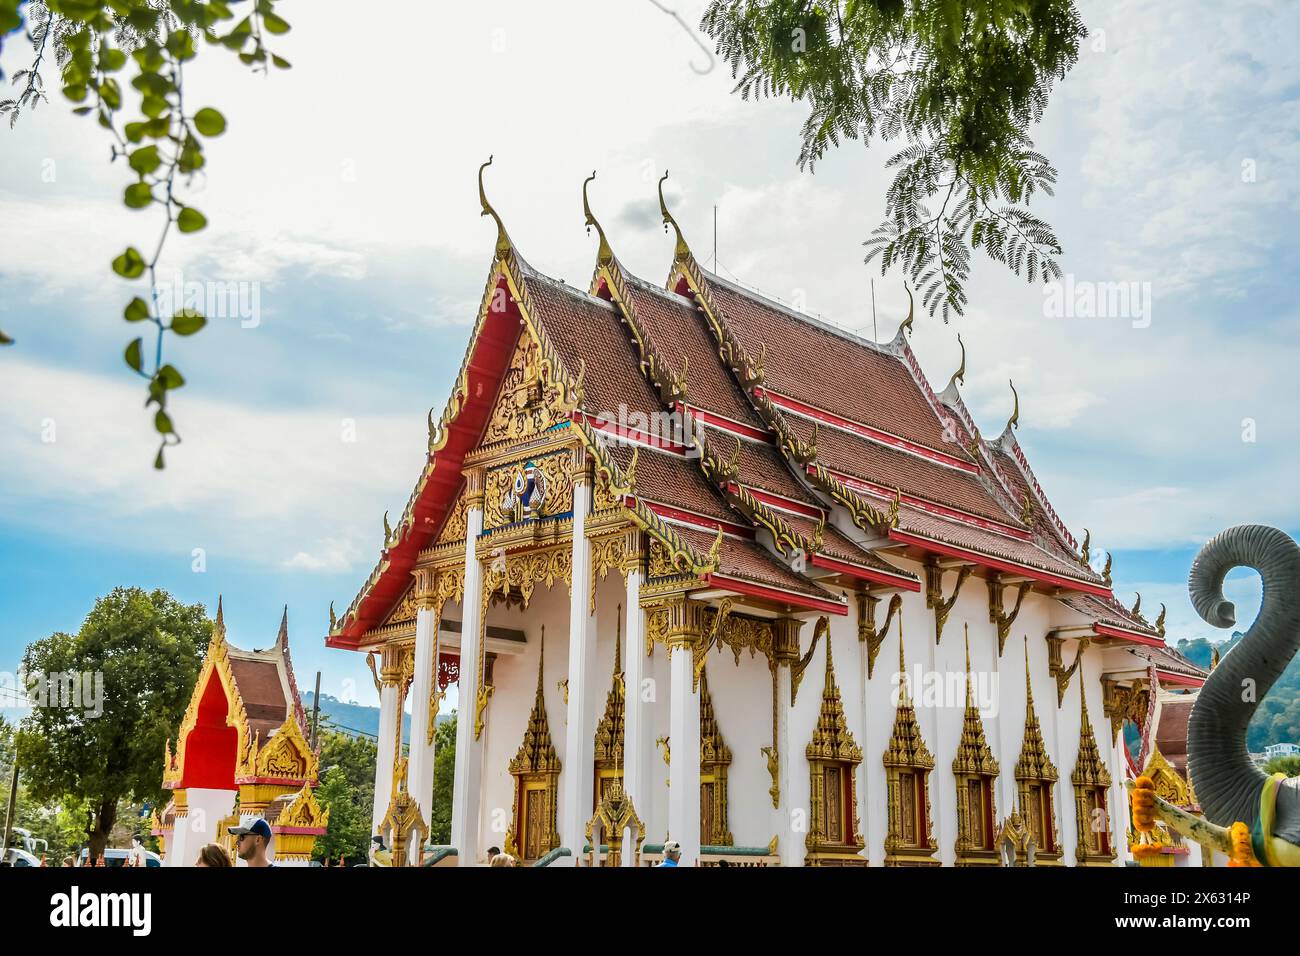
444,772
347,788
957,84
147,649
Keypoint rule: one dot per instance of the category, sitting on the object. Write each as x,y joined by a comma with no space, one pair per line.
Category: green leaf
4,339
209,122
133,355
169,377
190,220
145,160
162,421
187,322
274,24
137,310
280,62
130,264
158,462
112,59
138,195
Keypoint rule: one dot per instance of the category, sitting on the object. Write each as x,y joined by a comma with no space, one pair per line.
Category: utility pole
315,714
11,812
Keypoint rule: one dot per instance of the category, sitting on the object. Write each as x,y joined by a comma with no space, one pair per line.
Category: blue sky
351,204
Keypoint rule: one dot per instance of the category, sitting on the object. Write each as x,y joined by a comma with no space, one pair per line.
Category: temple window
833,758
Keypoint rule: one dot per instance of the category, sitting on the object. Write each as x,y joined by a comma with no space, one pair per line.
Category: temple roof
257,694
800,430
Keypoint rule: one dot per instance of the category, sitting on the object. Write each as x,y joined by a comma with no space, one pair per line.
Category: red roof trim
724,424
792,598
1105,630
943,511
700,521
1172,677
865,573
873,434
777,501
997,564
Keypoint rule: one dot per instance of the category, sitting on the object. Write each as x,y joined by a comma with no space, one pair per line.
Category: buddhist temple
242,752
729,519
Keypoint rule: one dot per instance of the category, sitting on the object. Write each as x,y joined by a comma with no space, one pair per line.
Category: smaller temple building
242,752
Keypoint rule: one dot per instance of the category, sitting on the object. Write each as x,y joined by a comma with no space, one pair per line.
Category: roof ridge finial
1014,420
605,254
960,374
219,628
683,251
283,637
906,325
503,237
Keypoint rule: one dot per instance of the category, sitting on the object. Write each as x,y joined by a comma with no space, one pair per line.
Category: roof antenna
875,336
715,237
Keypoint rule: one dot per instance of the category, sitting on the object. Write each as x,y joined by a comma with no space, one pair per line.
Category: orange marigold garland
1143,800
1243,853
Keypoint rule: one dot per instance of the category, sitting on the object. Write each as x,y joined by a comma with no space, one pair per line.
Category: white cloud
273,486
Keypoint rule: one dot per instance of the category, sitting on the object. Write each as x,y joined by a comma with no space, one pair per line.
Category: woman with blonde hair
214,854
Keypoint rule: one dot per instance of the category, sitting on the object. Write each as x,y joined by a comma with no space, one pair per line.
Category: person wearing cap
672,853
252,841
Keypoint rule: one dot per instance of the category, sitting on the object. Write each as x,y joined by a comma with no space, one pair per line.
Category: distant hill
355,719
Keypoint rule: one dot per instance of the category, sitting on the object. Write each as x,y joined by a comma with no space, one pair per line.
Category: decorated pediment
529,400
286,756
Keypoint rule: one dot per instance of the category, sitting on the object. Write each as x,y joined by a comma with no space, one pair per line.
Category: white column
469,752
390,725
637,728
180,847
1118,795
576,776
789,844
419,781
684,741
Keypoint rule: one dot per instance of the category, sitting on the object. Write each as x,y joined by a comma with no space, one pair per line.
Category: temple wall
742,704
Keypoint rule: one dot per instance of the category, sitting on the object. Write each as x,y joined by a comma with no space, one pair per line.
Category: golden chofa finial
906,326
1086,557
959,376
334,621
1014,420
683,251
503,238
605,255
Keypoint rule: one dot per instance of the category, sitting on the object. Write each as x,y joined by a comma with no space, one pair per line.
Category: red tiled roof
750,561
673,480
588,330
829,369
676,329
760,466
1013,550
1108,611
853,455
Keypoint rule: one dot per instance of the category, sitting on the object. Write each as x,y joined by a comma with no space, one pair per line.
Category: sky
342,204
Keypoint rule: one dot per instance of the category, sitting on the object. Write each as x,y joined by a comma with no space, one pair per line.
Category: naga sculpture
1249,816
